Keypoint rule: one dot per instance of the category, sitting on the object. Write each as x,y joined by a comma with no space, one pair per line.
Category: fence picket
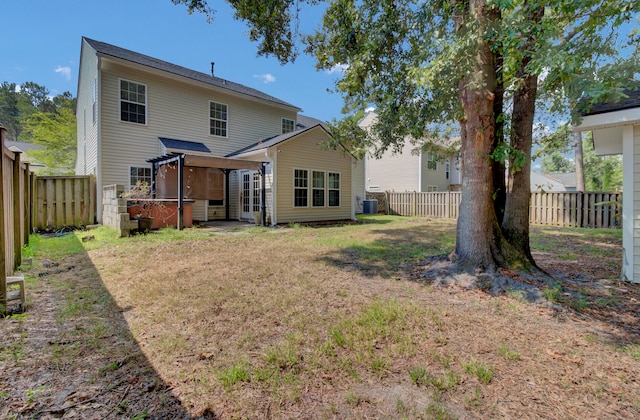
568,208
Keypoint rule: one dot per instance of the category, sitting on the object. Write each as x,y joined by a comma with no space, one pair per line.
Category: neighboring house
25,148
134,110
553,182
408,170
616,130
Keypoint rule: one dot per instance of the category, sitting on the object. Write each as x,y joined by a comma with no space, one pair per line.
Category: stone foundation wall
114,210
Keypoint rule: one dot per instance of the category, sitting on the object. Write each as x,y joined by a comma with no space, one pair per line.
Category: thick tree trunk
499,167
515,225
478,232
579,160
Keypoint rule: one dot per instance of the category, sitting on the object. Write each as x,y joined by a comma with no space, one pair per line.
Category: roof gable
272,141
145,60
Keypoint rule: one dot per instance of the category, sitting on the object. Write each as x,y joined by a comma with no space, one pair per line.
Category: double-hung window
432,161
447,169
133,102
300,188
288,125
334,189
318,188
218,119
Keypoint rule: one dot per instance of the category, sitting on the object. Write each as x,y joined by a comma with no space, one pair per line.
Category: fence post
17,242
3,262
447,205
387,204
27,201
414,204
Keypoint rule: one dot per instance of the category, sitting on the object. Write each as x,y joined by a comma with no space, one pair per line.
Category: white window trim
146,103
432,188
325,188
338,189
226,136
295,188
447,169
140,166
293,128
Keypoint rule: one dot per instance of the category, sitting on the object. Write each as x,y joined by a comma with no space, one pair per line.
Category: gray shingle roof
567,179
183,145
633,101
134,57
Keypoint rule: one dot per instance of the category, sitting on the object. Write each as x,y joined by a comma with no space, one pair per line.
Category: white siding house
133,108
616,130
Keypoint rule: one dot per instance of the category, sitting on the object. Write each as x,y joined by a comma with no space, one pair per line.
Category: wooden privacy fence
592,209
64,201
15,225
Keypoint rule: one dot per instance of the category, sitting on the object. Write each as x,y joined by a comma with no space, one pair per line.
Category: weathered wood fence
576,209
64,201
30,202
15,225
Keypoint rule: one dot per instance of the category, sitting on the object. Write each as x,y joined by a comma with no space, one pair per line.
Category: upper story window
218,119
431,161
133,102
288,125
447,169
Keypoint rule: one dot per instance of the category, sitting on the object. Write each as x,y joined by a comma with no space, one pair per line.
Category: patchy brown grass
319,323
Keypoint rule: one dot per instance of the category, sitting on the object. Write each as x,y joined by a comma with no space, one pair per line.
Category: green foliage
236,373
601,173
483,372
56,131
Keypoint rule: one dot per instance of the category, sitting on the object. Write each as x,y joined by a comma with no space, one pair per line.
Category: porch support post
226,193
263,173
154,173
180,192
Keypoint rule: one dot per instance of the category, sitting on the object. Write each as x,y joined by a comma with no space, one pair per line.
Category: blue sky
41,43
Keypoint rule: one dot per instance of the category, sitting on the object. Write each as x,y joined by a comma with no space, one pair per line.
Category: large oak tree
482,63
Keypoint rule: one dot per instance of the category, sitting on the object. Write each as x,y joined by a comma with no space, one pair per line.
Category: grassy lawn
303,322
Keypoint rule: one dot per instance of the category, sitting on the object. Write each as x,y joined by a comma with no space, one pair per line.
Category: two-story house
408,170
133,109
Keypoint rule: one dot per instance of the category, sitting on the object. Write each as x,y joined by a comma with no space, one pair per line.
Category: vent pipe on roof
212,66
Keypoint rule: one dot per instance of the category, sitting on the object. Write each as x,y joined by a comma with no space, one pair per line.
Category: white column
628,210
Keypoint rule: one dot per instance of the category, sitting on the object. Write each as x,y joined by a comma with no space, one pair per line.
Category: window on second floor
133,102
218,119
447,169
288,125
432,161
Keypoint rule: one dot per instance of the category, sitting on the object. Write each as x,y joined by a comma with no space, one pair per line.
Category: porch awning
207,162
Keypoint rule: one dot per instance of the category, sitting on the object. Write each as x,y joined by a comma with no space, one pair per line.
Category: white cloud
266,78
65,71
370,109
338,68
